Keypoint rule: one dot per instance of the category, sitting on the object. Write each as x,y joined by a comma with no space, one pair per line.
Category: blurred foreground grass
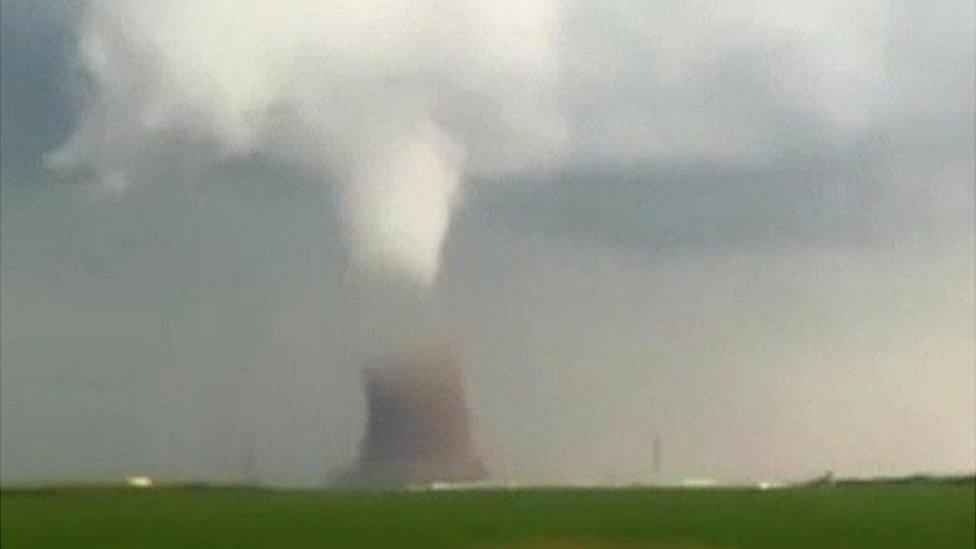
867,515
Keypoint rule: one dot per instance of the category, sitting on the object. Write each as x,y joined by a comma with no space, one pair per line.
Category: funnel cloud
390,100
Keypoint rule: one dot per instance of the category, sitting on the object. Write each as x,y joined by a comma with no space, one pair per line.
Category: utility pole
657,456
249,473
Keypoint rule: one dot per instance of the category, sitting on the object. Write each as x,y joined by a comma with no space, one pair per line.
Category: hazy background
752,235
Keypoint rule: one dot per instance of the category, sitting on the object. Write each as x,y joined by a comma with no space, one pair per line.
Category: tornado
418,428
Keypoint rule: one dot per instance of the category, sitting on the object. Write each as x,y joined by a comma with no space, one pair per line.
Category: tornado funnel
418,427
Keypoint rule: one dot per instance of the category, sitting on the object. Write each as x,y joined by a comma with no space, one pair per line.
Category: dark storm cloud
686,208
36,39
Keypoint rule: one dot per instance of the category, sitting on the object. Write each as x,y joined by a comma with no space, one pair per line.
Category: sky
746,228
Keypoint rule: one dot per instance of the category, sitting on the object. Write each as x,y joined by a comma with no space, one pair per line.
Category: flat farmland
936,514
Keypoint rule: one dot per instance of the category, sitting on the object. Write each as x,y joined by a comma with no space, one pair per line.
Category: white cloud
403,102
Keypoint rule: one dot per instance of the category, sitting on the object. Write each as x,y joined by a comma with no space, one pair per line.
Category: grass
917,514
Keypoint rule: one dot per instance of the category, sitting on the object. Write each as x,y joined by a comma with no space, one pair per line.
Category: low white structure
139,481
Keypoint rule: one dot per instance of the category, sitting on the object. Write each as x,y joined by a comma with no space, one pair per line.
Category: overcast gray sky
746,227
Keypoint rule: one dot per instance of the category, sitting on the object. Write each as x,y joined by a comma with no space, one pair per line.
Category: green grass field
896,515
